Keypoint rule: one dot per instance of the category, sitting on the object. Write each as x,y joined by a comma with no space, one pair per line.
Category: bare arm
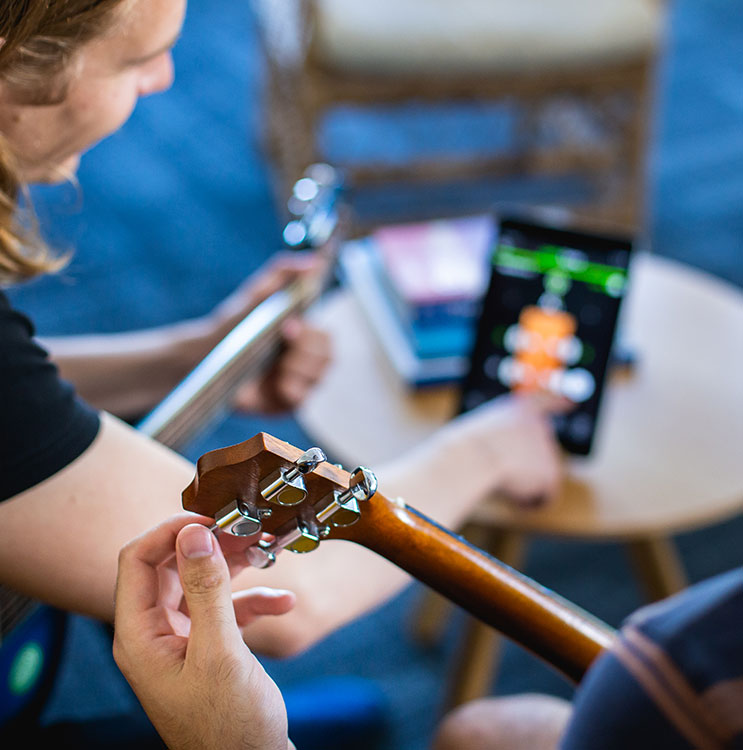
505,446
60,539
129,373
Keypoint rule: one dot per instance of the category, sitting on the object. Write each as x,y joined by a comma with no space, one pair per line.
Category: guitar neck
205,394
245,352
302,501
549,626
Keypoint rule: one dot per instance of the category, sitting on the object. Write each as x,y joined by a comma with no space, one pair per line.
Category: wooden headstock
265,484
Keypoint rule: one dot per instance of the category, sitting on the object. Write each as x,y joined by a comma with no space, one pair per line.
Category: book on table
420,285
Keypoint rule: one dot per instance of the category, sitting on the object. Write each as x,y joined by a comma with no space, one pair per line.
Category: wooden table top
668,454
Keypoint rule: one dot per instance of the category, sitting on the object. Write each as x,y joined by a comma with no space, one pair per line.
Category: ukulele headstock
267,485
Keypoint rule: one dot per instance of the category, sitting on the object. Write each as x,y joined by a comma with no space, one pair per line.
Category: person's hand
178,643
512,442
278,272
303,361
305,353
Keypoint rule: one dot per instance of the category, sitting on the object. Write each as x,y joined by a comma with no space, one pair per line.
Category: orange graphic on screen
542,333
544,349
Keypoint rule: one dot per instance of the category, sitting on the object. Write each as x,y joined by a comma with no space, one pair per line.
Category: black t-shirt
44,426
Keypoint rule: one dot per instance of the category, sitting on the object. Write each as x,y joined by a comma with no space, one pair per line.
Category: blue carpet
176,208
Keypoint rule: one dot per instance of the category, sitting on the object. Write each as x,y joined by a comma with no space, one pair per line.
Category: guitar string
14,607
187,422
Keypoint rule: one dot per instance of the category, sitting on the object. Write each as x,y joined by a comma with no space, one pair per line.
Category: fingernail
196,541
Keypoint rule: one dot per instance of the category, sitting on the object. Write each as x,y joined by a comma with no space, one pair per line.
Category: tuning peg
323,174
307,539
295,234
345,514
309,460
241,518
261,555
343,508
306,188
362,486
286,486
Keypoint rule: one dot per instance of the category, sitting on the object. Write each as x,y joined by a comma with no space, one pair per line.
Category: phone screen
547,322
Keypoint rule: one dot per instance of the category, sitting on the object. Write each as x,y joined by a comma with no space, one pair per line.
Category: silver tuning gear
286,486
241,518
260,555
343,508
340,508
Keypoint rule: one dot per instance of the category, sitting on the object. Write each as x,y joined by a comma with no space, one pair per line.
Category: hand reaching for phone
512,441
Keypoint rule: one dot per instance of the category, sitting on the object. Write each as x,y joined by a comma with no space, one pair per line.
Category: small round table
668,456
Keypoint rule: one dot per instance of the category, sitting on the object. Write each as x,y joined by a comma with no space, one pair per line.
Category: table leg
477,662
658,565
431,615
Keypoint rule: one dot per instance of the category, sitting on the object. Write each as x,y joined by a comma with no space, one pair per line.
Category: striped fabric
674,678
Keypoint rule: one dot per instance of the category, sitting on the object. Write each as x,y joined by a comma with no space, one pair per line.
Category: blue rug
177,207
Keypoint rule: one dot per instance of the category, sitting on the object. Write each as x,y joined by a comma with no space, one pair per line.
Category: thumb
205,579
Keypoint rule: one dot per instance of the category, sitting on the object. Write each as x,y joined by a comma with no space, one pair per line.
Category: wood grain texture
555,630
667,456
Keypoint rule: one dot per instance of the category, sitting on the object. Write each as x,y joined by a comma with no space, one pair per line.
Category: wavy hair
38,39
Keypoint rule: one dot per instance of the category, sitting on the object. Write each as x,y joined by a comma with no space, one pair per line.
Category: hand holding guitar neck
267,485
255,341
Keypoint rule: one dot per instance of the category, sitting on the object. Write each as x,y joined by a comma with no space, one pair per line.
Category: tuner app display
548,321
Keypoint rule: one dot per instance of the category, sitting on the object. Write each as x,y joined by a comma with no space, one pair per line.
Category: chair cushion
459,36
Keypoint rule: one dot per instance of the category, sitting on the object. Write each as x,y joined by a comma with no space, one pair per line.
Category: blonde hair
38,39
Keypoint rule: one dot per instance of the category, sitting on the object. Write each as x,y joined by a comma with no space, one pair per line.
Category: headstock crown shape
267,485
298,498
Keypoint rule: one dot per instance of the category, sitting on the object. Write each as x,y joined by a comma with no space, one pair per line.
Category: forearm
61,538
127,374
340,580
443,477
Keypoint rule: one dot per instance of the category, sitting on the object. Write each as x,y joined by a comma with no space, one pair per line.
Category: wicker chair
576,74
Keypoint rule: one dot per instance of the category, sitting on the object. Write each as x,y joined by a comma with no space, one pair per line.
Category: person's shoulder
14,323
708,605
672,678
697,633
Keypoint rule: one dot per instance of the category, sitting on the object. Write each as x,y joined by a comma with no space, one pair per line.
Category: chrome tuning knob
362,486
286,486
241,518
306,539
344,509
261,555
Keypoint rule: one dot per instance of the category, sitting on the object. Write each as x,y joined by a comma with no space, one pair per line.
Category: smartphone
547,321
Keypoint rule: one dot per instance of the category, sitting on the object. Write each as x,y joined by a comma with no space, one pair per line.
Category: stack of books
420,286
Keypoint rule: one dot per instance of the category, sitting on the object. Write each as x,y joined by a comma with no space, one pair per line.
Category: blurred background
172,211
